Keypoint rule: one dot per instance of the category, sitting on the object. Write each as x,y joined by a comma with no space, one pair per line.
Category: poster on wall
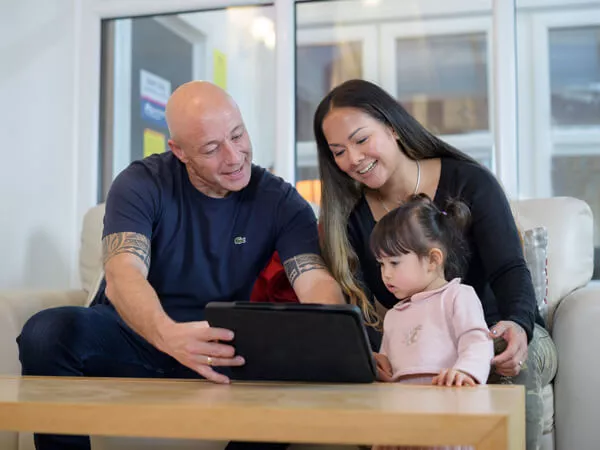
154,92
154,142
220,69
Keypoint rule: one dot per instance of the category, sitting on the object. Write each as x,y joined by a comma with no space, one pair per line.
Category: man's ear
436,258
177,151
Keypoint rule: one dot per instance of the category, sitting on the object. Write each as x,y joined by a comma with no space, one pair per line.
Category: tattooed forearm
134,243
297,265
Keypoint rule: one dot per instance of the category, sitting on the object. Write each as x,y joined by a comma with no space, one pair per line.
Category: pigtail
454,223
458,213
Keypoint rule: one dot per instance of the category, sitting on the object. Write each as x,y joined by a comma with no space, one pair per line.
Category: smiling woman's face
362,147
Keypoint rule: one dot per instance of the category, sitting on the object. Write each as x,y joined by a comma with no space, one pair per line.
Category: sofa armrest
16,307
576,333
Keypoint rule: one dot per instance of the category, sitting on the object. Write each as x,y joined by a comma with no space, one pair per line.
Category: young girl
436,333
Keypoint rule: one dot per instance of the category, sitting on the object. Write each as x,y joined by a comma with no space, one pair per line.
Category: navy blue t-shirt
206,249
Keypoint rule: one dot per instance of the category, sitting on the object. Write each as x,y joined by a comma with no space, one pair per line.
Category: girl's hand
384,368
453,377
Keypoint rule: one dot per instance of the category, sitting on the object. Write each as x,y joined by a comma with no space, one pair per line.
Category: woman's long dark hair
340,193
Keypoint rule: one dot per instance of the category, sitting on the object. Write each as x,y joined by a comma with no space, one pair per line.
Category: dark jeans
94,342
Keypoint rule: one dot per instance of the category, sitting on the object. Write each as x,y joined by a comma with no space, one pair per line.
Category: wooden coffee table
487,417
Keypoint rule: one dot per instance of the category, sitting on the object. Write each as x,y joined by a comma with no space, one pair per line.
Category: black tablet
296,342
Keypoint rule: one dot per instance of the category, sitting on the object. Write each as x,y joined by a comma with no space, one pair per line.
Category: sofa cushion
535,248
273,285
90,253
569,222
95,287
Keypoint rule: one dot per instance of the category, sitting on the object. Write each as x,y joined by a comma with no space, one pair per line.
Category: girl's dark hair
340,193
419,225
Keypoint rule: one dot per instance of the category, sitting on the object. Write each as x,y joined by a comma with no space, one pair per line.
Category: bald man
182,229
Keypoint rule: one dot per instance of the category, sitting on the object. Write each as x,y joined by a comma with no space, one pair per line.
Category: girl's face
362,147
409,274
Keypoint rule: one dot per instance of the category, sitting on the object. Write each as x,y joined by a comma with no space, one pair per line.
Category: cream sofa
574,305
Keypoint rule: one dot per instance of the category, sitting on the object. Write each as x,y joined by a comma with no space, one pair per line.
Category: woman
372,156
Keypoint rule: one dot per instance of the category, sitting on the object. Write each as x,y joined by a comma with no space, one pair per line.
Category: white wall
37,177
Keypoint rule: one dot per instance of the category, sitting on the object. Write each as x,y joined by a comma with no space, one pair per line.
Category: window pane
579,177
432,56
319,69
575,75
574,55
442,81
146,58
559,103
160,60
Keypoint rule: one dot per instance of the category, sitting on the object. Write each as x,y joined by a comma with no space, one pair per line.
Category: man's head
208,135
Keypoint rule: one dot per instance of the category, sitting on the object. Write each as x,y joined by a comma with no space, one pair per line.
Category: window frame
88,43
552,141
475,143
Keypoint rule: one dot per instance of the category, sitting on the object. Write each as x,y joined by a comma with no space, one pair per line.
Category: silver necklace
414,193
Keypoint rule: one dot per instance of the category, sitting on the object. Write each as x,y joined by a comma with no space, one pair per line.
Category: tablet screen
296,342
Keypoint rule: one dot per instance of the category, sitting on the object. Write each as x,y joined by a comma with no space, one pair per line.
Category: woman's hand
384,368
453,377
511,360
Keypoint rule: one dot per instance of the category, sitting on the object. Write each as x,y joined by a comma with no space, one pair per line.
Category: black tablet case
296,342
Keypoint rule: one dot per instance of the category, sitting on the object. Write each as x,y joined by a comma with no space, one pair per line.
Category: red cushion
273,285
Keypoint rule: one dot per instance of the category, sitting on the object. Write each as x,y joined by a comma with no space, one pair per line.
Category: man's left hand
510,361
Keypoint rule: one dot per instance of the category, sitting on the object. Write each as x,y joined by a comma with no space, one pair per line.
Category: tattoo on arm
134,243
296,266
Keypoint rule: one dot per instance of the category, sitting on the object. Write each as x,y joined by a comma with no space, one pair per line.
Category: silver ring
209,360
520,363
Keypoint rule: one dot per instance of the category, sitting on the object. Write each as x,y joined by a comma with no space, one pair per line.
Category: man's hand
453,377
384,368
196,345
511,360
